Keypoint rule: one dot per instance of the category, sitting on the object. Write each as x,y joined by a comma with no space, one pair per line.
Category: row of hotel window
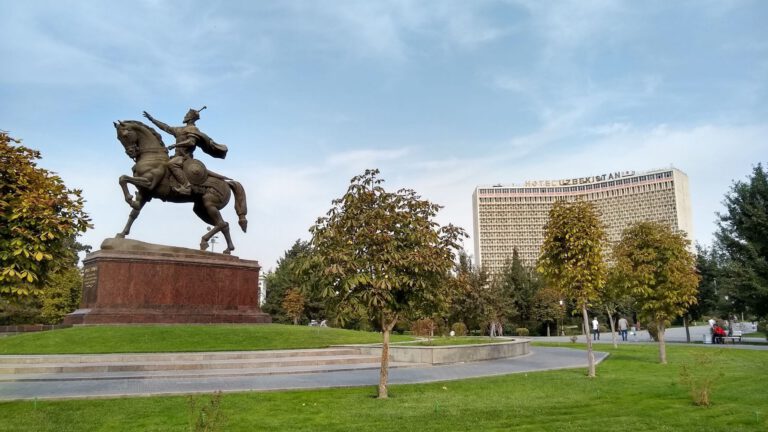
592,195
601,185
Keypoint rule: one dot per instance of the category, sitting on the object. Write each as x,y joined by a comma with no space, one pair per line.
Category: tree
520,286
615,298
288,274
465,302
710,265
39,218
572,258
383,255
293,304
546,307
659,272
743,236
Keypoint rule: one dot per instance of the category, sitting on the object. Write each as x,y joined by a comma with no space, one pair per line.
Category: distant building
513,216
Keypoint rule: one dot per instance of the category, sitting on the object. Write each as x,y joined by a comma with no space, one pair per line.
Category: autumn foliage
39,220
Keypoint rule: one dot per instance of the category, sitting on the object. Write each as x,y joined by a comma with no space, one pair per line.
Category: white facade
513,216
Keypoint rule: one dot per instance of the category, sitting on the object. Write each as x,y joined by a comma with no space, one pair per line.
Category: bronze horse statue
151,177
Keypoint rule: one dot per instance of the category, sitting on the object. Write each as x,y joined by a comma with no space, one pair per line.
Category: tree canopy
660,273
743,236
571,257
39,221
383,254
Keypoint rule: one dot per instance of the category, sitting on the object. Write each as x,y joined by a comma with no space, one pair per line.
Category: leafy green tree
384,255
546,307
293,304
572,258
465,303
614,299
711,264
39,218
659,272
743,236
62,295
520,285
288,274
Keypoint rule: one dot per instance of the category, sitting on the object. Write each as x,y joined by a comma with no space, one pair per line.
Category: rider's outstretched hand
146,114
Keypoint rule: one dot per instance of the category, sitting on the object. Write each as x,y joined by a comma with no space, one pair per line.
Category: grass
182,338
631,392
755,335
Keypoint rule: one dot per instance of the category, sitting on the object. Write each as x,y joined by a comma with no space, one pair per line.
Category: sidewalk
672,335
540,359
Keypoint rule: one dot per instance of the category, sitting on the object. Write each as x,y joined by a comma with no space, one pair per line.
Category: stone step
197,374
186,365
170,357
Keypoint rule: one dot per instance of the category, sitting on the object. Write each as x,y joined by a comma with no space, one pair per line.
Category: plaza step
182,365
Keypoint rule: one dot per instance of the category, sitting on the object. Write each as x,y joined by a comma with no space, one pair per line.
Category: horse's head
128,138
137,138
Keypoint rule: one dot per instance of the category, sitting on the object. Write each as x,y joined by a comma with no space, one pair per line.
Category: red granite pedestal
135,282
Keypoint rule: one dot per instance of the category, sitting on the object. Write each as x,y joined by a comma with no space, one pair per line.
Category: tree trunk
547,328
384,371
295,321
590,354
662,347
687,329
613,327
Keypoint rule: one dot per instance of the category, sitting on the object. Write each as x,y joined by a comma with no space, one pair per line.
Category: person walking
595,329
623,326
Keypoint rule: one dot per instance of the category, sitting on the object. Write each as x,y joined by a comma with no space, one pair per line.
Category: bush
424,327
521,331
206,417
700,377
762,326
459,329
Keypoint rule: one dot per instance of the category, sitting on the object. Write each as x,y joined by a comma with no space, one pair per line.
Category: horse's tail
241,208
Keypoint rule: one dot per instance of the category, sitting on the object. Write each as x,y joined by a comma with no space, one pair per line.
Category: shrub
459,328
762,326
522,331
700,377
424,327
206,417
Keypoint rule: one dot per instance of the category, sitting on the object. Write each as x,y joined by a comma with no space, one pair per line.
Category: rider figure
188,137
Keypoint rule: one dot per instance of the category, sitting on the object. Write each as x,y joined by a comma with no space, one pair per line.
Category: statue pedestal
134,282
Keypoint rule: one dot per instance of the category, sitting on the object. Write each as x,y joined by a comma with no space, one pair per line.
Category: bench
736,337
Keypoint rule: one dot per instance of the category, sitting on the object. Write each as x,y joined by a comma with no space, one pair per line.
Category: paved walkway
672,335
540,358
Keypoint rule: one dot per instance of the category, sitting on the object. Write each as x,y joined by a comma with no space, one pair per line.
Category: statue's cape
209,146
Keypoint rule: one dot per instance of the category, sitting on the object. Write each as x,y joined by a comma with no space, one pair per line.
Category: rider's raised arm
160,124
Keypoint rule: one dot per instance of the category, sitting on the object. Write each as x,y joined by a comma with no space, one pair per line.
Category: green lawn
182,338
631,393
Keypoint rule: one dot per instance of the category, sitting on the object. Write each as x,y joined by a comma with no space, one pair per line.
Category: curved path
539,359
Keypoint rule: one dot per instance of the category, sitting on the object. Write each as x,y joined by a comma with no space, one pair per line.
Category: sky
441,96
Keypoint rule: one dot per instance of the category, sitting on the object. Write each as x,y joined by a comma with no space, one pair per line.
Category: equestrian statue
179,179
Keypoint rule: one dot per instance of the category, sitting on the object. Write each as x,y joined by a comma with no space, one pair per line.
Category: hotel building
513,216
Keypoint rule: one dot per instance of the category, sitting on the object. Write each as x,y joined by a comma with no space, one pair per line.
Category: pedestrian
623,326
595,329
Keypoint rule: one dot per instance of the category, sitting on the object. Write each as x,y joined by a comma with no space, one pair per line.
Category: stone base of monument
128,281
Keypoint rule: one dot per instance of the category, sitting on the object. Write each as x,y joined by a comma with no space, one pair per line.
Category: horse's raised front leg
136,181
132,216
